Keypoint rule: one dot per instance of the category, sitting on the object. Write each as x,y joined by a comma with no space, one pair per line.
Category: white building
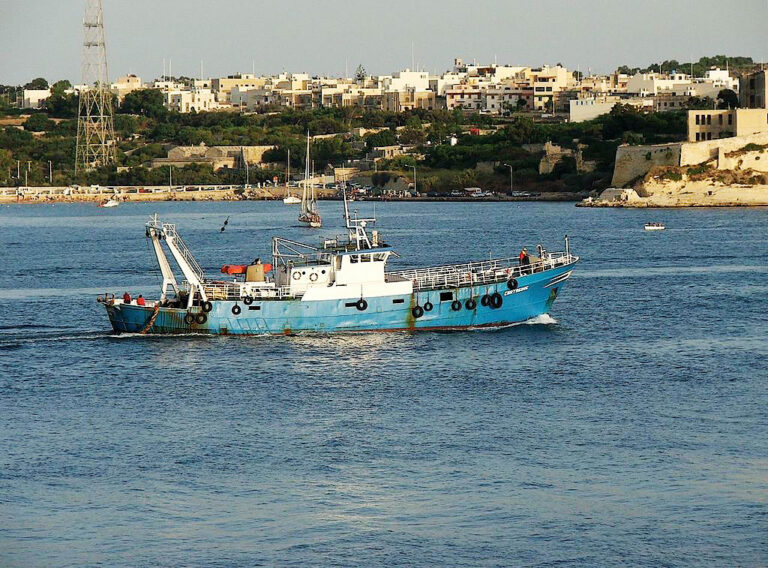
34,98
197,100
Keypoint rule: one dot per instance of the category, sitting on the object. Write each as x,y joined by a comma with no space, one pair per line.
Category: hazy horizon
269,38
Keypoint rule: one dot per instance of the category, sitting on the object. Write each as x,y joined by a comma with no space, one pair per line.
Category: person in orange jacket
127,298
140,301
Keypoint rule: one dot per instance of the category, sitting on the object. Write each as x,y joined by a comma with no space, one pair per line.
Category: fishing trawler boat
290,198
309,213
654,226
339,286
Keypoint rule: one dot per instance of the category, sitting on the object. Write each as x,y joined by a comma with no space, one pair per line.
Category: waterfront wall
632,162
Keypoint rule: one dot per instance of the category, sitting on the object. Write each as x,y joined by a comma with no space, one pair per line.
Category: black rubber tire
485,300
456,305
496,300
417,311
207,306
236,310
361,305
201,318
470,304
428,306
189,318
247,300
512,284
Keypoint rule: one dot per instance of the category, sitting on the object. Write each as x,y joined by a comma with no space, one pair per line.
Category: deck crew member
525,260
140,301
127,298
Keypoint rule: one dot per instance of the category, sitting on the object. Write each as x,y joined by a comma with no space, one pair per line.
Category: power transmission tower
95,126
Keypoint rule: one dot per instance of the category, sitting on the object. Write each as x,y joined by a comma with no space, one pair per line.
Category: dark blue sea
629,428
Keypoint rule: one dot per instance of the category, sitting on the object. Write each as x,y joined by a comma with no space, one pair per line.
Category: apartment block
715,124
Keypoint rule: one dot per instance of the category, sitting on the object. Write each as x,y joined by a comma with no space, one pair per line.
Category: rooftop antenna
201,70
163,77
95,124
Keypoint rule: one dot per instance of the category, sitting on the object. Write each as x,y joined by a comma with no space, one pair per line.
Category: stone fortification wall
253,154
694,153
633,162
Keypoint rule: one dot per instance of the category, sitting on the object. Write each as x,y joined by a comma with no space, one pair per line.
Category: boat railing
476,273
170,231
235,291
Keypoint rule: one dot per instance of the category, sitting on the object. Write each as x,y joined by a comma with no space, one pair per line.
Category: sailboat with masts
290,198
309,213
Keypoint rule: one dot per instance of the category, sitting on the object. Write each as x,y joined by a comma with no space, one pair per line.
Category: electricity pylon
95,125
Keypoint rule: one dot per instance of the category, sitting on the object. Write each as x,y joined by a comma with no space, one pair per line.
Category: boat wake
13,341
544,319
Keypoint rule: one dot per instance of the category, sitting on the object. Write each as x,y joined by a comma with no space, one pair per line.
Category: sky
43,38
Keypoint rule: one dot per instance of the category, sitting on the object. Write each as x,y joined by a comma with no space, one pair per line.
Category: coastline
677,194
50,195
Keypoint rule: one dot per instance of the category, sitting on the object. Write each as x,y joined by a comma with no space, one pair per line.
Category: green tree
62,105
146,102
38,84
38,122
727,99
360,74
59,87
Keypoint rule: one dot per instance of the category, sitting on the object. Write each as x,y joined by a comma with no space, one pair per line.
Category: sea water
628,427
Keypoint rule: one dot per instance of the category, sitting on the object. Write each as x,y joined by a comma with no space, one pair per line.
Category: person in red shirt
140,301
127,298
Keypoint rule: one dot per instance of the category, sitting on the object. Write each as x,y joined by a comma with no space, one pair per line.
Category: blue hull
532,298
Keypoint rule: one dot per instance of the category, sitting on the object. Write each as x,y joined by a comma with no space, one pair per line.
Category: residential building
752,92
34,98
547,82
715,124
465,97
125,85
196,100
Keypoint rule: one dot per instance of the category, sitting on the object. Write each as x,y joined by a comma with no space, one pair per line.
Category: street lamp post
511,186
414,179
50,172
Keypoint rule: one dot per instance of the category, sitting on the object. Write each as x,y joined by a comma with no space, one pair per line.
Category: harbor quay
66,194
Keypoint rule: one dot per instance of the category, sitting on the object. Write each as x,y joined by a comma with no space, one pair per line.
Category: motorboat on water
339,286
654,226
111,202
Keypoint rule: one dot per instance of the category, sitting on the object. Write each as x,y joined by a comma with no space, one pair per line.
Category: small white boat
290,198
109,203
654,226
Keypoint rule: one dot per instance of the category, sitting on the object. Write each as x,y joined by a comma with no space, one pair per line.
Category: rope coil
152,319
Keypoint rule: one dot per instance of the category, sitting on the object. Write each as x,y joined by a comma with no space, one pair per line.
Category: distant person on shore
127,298
140,301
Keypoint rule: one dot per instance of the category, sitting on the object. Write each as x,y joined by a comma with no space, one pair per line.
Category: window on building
698,119
730,119
709,119
698,136
720,119
709,136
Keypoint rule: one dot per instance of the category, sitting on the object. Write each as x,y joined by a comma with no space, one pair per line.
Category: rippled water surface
630,428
